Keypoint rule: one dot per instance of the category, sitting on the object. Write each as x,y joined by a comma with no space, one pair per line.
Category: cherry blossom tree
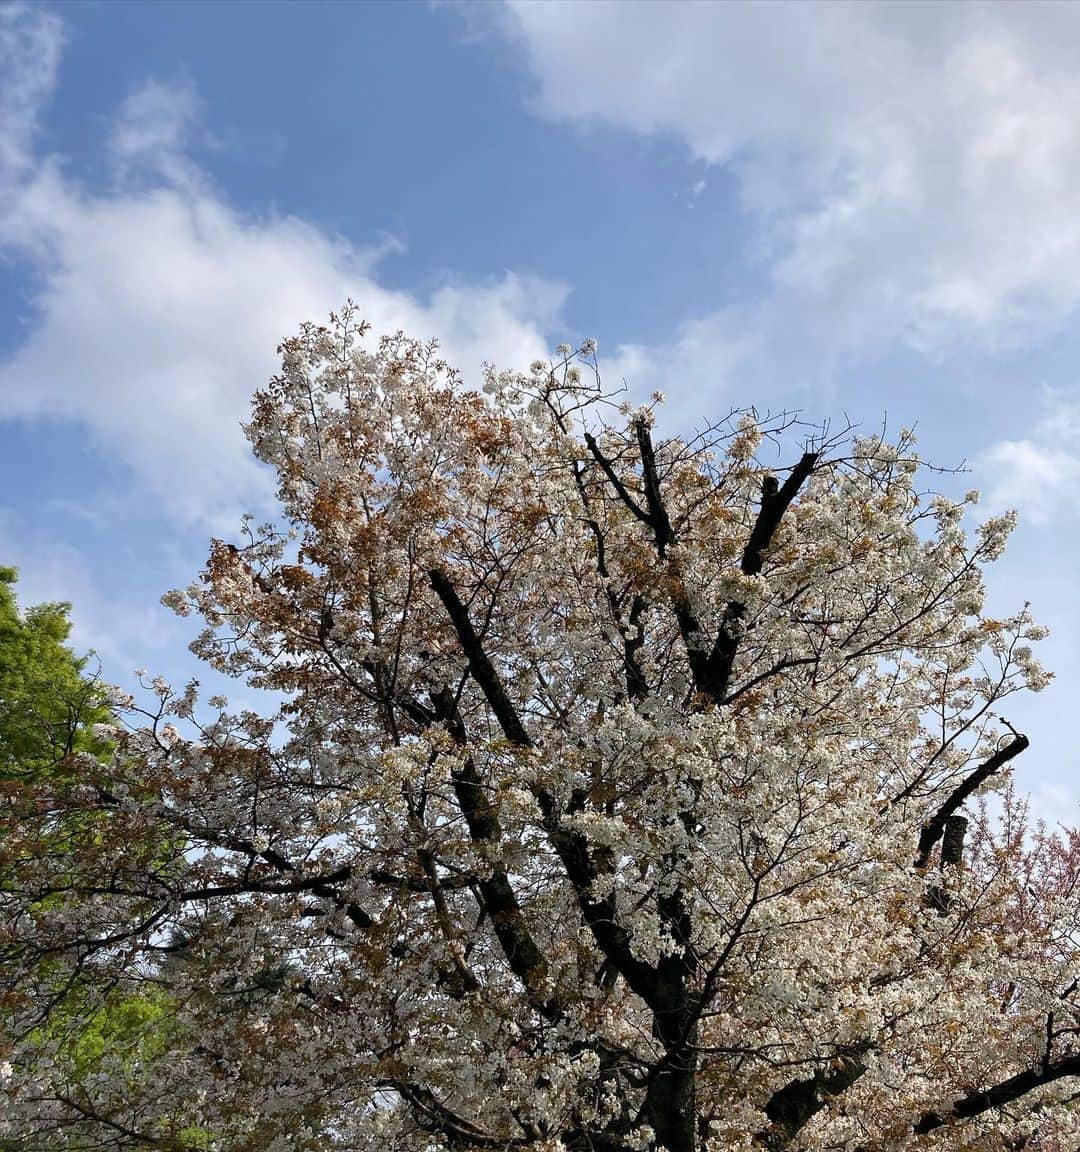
616,801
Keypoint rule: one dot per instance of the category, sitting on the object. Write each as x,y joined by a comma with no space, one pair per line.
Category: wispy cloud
31,43
1039,473
907,169
152,135
105,621
161,304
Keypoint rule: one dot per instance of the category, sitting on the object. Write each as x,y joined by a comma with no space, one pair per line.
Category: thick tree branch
774,503
325,891
611,938
500,901
415,883
255,887
637,687
976,1103
952,843
952,856
434,1116
934,828
616,483
658,518
670,1105
775,500
792,1107
571,847
481,668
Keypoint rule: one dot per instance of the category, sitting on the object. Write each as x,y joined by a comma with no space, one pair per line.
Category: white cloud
909,168
105,620
152,134
160,314
1039,474
695,369
161,305
31,42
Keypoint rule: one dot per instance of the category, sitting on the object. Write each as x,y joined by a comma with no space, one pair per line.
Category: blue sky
861,209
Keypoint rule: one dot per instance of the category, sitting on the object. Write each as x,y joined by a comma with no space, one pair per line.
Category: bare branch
616,483
483,671
775,501
934,828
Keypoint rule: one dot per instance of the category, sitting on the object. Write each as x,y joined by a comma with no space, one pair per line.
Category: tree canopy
621,799
50,708
48,705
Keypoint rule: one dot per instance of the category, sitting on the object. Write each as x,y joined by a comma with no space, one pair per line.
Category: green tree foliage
48,703
49,709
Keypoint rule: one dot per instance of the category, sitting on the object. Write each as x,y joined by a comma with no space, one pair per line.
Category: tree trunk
670,1107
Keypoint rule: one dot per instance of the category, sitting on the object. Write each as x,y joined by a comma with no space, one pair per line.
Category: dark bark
609,471
600,915
952,843
432,1115
710,669
637,687
658,518
498,898
792,1107
934,828
775,501
670,1106
572,848
671,1099
976,1103
480,667
952,856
